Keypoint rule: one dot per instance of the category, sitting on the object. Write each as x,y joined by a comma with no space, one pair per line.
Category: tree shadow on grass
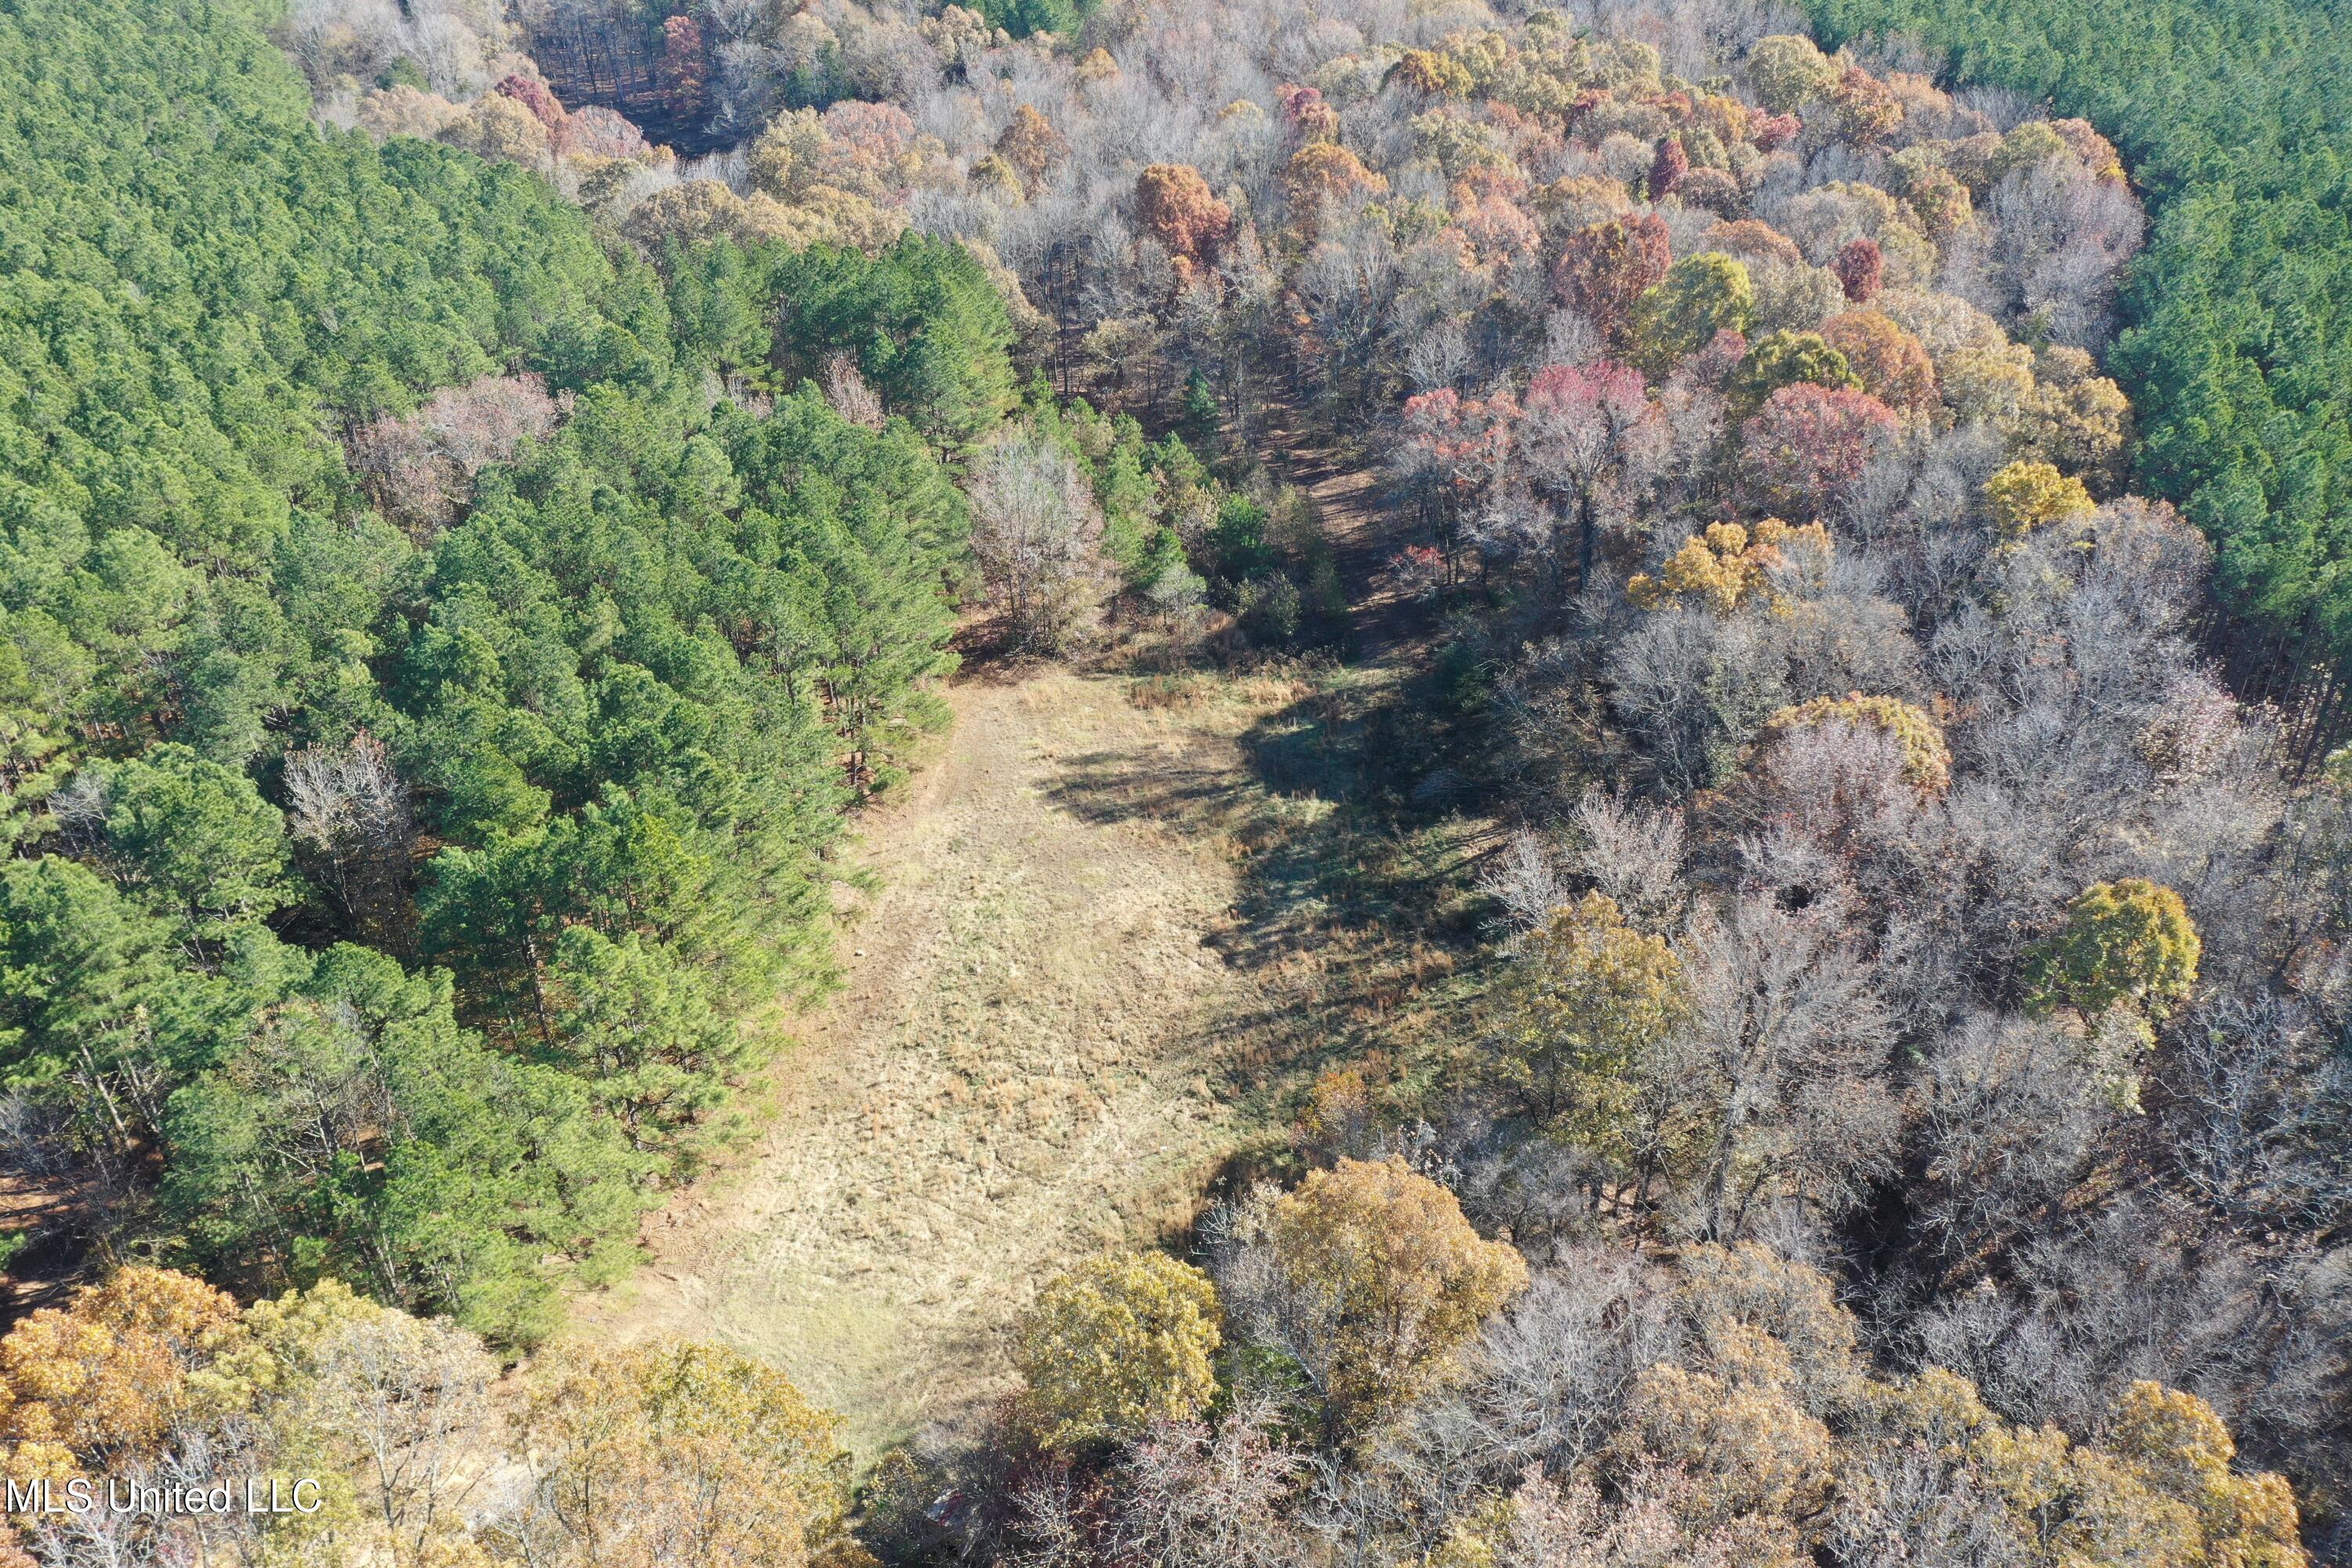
1357,915
1139,784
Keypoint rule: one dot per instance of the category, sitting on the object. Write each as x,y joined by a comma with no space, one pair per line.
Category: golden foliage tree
2128,941
1388,1279
1031,145
992,175
1427,72
497,127
1726,565
1743,1421
2159,1491
2026,495
1988,381
1942,202
1752,1450
1647,1523
1748,1287
103,1376
1586,993
2074,418
1116,1344
1927,759
2181,1449
682,1456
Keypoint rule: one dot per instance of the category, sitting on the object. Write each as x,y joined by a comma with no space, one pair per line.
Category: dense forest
495,493
2235,356
427,707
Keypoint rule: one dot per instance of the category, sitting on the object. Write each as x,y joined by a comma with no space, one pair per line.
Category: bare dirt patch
1024,1064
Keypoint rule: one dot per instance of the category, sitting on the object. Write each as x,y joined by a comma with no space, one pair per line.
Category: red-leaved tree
1306,117
1860,270
535,96
1454,450
1591,442
1668,169
1608,265
1808,444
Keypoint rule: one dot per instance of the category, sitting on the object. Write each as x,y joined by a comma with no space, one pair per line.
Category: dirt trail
1016,1071
1363,532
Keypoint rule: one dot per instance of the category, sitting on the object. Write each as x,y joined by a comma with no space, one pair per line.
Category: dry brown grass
1028,1060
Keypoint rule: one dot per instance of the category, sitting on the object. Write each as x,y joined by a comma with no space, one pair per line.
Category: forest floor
44,1273
1028,1060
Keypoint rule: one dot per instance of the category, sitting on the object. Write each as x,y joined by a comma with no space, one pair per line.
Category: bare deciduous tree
1783,1075
1547,1380
419,470
1212,1499
851,398
1034,529
349,810
411,1396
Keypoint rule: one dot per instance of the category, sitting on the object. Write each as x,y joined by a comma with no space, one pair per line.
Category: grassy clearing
1030,1056
1100,951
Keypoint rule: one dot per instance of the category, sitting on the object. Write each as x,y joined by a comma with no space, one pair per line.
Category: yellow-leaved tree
1377,1281
681,1455
1116,1344
387,1416
1926,758
101,1377
1572,1015
1766,1418
2159,1491
2180,1448
2126,942
1726,565
1751,1448
2027,495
